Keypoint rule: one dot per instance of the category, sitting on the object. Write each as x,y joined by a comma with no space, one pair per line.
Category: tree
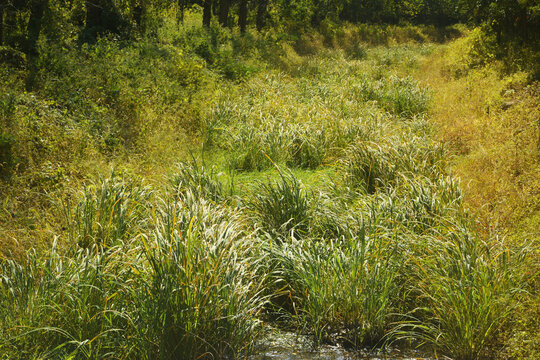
224,6
103,16
242,15
2,10
509,19
207,12
35,23
181,6
261,13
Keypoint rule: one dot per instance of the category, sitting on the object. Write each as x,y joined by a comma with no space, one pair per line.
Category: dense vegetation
177,178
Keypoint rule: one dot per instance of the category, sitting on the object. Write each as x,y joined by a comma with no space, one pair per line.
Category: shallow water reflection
294,347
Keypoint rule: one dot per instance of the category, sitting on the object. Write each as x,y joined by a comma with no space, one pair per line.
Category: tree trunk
261,14
180,15
242,15
94,13
224,6
138,13
207,12
35,23
2,24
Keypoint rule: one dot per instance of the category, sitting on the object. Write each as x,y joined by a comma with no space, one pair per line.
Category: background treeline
22,21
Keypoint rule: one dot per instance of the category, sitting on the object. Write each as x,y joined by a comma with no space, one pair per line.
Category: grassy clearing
316,198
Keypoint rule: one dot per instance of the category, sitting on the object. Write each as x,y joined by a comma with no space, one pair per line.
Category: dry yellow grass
492,123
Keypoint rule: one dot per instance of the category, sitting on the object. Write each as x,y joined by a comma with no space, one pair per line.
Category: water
295,347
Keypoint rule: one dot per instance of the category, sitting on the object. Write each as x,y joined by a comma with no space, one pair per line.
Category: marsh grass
281,208
401,96
343,289
206,294
467,289
196,179
185,288
67,306
107,212
361,237
369,166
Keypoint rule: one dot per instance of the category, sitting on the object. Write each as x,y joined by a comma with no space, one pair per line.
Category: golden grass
492,123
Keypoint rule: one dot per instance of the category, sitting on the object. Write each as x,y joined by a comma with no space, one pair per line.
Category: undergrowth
318,196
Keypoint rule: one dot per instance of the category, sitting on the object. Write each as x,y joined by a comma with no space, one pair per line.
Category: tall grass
365,241
189,288
107,212
281,208
195,179
466,290
206,293
343,290
401,96
369,166
74,306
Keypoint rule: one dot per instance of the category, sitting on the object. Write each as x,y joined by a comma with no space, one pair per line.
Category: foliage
203,281
363,235
107,213
6,150
344,290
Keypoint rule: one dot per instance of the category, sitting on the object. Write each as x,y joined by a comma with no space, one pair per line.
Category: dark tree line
22,21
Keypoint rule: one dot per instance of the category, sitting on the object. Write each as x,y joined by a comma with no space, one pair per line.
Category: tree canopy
23,21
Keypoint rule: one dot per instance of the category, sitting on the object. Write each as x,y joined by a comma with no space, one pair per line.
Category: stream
290,346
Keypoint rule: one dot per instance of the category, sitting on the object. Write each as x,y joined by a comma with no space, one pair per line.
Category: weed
190,177
343,290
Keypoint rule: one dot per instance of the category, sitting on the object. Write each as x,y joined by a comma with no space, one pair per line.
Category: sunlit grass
316,197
